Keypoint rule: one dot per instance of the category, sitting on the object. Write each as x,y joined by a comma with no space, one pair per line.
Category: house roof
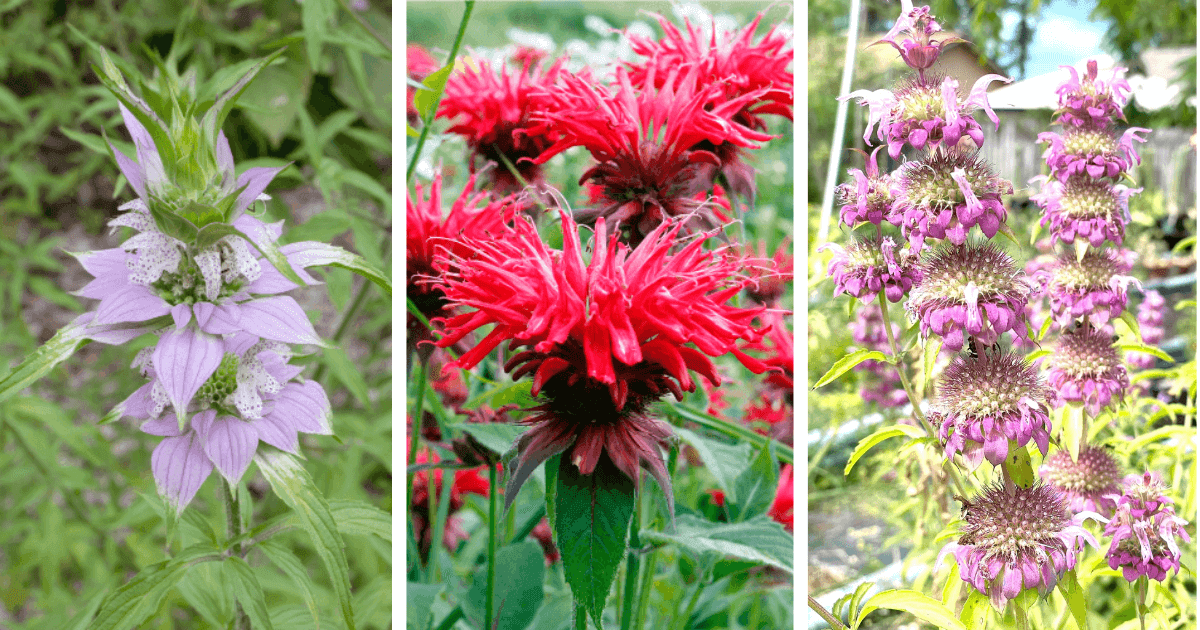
1152,90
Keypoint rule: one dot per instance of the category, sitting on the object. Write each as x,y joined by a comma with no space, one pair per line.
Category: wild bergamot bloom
602,338
1091,151
1090,483
1017,538
1091,100
987,401
970,290
1150,317
1085,368
1091,288
1145,530
869,198
945,194
1084,208
867,266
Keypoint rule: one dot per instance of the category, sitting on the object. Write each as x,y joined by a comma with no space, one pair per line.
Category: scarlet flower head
645,144
770,275
496,113
603,338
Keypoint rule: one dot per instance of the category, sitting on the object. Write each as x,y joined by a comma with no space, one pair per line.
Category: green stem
440,514
917,413
631,568
1021,615
1141,603
833,622
366,27
580,616
233,529
344,325
451,619
462,30
491,565
644,591
687,613
416,433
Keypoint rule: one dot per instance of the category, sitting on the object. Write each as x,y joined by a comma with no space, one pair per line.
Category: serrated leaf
215,116
759,539
754,488
517,596
873,440
917,604
857,597
593,519
293,484
724,461
286,561
345,371
248,591
38,363
172,224
847,362
138,599
434,84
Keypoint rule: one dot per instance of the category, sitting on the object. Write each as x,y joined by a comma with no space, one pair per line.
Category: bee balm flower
1085,368
1090,484
1145,530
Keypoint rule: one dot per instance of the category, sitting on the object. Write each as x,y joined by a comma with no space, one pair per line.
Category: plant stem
1021,615
687,613
462,30
580,616
344,325
233,529
1141,603
896,358
644,591
366,27
491,565
833,622
631,567
416,433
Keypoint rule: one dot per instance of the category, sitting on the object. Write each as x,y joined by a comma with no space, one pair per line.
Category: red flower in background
465,482
644,142
603,338
782,508
420,65
472,215
732,61
771,412
495,114
770,275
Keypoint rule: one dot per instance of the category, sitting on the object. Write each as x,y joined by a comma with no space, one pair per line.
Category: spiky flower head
870,265
1017,538
1150,317
1091,151
869,198
969,290
988,403
1085,368
604,338
496,113
945,195
1090,100
1090,483
1145,530
1083,208
924,113
1092,287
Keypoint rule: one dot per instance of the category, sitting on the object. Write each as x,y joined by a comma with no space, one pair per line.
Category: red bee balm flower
495,113
644,141
605,338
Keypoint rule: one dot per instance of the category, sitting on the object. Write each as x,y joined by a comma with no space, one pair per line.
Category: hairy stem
833,622
233,529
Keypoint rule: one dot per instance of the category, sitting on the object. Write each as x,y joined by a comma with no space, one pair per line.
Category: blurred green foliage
79,504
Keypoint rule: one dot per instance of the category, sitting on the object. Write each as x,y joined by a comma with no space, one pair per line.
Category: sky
1063,36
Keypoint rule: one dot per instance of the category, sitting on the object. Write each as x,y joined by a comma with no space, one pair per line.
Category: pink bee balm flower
253,395
1150,317
881,382
1090,100
1084,208
1145,530
1017,538
867,266
495,113
1093,288
1085,368
603,339
969,291
1089,484
987,401
945,195
917,48
1091,151
645,142
924,113
869,198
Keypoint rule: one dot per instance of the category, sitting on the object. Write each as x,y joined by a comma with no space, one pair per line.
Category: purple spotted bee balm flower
987,402
1017,538
870,265
1145,530
1090,483
969,290
252,395
945,194
1085,368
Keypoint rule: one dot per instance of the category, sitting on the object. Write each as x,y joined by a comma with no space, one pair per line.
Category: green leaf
213,232
1131,321
496,437
172,224
138,599
871,441
975,611
919,605
844,364
248,591
286,561
759,539
337,257
551,467
205,589
593,518
315,18
419,604
413,133
933,347
1071,590
356,518
215,116
516,393
724,461
1141,347
1019,466
754,489
1072,431
520,571
345,371
293,484
38,363
424,99
1044,329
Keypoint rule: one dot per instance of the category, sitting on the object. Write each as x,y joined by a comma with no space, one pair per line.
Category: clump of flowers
1090,483
868,266
1150,318
1092,287
1017,538
869,199
1145,530
1085,368
945,195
